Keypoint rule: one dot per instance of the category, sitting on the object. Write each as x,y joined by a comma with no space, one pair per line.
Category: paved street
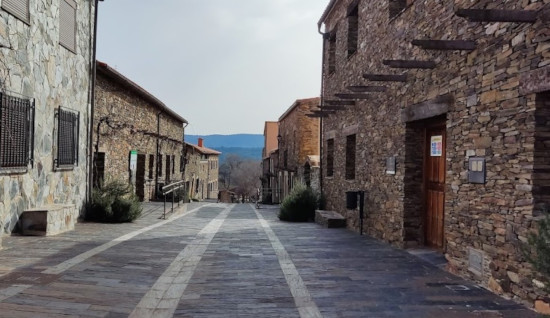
227,260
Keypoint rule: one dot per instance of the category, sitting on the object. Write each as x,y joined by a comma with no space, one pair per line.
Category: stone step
48,220
329,219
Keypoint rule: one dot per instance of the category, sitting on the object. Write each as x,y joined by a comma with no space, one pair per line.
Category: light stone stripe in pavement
163,298
60,268
306,306
12,291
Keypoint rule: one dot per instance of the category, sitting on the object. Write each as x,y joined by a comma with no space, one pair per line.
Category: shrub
299,205
538,250
114,201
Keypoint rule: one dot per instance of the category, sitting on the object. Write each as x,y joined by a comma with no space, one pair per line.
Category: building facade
45,84
438,110
137,138
269,181
298,139
202,171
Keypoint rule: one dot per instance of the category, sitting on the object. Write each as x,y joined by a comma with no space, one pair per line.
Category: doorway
140,177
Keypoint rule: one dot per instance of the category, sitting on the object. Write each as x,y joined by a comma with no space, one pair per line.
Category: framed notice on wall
436,148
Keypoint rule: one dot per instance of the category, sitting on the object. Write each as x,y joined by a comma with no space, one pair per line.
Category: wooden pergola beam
338,102
386,77
409,64
317,115
366,89
331,108
464,45
495,15
353,96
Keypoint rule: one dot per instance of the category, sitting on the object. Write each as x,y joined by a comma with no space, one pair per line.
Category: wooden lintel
464,45
338,102
386,77
409,64
495,15
323,111
365,89
353,96
317,115
428,109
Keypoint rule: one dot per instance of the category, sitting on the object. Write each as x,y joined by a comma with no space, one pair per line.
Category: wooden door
434,185
140,177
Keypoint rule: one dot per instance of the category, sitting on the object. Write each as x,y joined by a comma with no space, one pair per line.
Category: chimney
200,142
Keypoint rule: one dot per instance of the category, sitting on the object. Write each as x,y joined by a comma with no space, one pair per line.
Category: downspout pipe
321,99
158,158
92,108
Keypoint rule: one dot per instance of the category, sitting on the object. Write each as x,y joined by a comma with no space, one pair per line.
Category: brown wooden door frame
433,127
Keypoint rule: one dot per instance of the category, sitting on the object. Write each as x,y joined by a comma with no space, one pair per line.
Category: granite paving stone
229,260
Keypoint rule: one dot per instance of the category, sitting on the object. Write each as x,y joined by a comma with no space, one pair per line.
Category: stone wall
34,66
299,139
127,121
488,96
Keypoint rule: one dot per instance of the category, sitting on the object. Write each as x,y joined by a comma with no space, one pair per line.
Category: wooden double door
434,184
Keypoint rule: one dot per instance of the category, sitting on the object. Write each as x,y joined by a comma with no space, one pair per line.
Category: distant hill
229,141
247,146
246,153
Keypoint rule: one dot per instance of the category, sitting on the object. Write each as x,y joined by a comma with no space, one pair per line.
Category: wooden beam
338,102
353,96
365,89
495,15
330,108
386,77
409,64
463,45
316,115
323,111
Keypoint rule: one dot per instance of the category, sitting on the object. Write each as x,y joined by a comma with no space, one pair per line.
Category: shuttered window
19,8
68,123
67,25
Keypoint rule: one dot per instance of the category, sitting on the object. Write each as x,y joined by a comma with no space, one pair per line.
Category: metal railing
170,189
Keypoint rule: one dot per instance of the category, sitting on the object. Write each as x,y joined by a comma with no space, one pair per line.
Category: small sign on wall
133,160
476,170
390,165
436,148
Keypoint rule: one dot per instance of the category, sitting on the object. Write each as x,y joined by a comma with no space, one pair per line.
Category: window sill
64,168
9,171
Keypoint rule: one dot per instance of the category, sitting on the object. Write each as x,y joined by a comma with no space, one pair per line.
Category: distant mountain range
238,140
247,146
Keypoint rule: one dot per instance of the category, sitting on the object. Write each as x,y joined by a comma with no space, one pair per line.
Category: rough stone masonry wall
33,64
488,117
130,123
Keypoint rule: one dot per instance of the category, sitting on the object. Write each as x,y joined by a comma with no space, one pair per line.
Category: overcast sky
226,66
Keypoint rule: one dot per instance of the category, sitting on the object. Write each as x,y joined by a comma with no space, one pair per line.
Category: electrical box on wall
476,170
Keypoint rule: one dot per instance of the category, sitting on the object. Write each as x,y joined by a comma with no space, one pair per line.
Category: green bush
538,250
299,205
114,202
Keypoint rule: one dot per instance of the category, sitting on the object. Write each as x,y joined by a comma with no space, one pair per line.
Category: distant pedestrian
219,197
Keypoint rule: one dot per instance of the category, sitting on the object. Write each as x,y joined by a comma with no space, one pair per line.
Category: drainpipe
158,153
92,108
321,98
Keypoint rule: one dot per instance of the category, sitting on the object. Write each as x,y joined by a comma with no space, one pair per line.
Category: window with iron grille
19,8
332,52
67,25
159,165
99,169
16,132
353,27
330,157
68,125
350,157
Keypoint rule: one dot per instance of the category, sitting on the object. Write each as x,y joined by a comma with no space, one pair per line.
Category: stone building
137,138
298,139
45,84
269,177
202,171
439,110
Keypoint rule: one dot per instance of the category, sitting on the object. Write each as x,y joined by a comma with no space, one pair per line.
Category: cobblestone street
227,260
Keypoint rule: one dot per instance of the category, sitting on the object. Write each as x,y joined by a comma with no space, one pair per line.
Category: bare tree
240,175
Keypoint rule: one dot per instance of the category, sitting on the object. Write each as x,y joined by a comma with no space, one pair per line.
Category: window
285,158
396,6
167,168
353,27
330,157
159,166
68,122
67,25
350,157
151,166
16,131
332,52
99,169
173,164
19,8
182,163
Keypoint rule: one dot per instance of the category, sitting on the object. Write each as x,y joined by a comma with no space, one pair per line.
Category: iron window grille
68,126
16,132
